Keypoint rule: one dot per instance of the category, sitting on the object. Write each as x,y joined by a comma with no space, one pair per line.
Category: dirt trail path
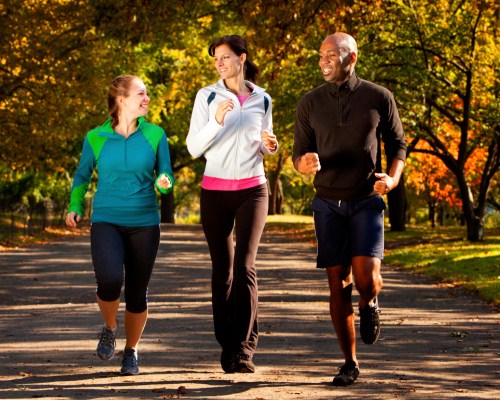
436,342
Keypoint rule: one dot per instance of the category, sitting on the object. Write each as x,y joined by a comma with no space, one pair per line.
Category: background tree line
440,58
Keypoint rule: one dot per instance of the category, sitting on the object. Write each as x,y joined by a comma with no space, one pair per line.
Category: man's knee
366,272
340,281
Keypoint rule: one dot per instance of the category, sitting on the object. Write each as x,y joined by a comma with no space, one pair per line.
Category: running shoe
244,363
130,365
348,373
106,345
369,322
228,362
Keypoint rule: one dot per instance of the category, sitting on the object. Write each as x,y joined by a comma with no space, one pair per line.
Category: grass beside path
441,253
444,253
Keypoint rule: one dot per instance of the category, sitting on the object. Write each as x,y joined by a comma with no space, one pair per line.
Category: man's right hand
308,163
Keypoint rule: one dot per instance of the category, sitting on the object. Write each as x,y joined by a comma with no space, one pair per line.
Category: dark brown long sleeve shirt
345,124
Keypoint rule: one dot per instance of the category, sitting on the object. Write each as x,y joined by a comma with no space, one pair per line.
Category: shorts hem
348,262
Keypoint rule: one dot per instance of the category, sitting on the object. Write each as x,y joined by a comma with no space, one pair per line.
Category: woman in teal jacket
131,157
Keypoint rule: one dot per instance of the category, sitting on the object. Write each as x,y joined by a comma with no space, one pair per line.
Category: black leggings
234,276
116,249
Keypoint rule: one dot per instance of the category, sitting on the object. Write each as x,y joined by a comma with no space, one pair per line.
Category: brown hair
239,46
119,87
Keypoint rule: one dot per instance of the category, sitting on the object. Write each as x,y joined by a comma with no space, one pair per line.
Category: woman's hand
269,140
72,219
222,109
164,181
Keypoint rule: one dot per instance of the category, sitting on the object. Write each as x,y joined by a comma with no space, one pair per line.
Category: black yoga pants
234,276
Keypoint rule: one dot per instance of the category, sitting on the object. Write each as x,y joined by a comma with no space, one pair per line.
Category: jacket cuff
171,180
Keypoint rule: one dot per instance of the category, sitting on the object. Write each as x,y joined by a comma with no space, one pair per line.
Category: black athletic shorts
345,229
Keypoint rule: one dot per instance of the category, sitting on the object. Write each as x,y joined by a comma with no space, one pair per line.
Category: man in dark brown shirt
339,127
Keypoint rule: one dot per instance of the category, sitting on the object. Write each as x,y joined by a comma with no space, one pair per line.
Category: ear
243,57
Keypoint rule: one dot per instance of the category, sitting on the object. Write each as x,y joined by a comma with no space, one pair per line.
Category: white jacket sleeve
203,128
267,125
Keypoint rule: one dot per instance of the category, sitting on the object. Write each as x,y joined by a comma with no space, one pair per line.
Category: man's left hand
384,185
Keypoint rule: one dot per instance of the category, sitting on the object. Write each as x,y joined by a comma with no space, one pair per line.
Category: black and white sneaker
369,322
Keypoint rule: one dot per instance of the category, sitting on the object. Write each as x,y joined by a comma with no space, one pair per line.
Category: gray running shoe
130,365
106,345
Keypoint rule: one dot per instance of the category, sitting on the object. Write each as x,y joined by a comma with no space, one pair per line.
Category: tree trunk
279,198
475,229
167,208
397,207
274,188
440,213
473,218
432,213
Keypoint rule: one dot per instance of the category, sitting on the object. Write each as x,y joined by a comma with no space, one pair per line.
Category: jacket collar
346,87
107,128
222,87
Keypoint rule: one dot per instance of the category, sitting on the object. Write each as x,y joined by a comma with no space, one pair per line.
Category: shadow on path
435,343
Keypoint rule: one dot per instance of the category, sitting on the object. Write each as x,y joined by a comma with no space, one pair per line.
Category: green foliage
13,191
440,58
188,219
59,57
298,191
492,219
53,68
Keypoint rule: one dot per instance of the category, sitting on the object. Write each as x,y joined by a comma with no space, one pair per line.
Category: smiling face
227,63
137,101
336,59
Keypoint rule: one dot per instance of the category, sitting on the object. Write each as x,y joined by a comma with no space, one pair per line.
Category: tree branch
445,112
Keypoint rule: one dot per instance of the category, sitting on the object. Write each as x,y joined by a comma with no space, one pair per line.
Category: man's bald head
343,41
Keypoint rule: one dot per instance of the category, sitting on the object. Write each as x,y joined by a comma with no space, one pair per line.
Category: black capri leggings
116,249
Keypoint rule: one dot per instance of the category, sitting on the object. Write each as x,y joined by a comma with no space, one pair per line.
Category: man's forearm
396,170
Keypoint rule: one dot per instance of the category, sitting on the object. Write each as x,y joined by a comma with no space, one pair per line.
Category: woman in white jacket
231,126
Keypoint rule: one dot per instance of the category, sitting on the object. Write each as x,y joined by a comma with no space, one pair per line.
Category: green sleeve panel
95,138
152,133
77,202
92,147
82,178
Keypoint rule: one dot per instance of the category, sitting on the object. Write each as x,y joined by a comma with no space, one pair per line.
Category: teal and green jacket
127,170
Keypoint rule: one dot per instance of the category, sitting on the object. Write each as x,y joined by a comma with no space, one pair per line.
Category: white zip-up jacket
233,150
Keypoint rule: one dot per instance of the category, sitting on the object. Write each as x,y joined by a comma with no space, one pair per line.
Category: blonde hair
119,87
